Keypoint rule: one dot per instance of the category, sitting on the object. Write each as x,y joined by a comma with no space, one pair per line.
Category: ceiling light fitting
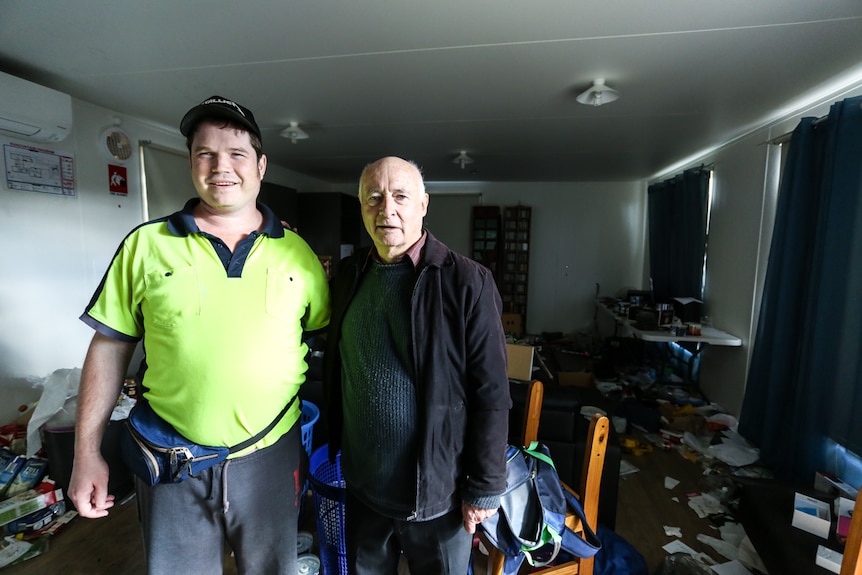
293,133
462,159
598,94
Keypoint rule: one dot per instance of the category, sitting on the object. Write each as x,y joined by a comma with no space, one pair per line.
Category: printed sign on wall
38,170
117,182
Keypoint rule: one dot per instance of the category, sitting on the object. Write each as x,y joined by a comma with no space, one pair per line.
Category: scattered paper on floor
705,505
722,547
677,546
627,468
731,568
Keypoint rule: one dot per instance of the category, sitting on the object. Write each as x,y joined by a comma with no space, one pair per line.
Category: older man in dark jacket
417,392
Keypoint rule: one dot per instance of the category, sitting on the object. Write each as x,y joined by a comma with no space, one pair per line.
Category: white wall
732,263
582,233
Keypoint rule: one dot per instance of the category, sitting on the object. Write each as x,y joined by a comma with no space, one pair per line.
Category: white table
708,334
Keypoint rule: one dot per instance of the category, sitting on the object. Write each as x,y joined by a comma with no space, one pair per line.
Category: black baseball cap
221,108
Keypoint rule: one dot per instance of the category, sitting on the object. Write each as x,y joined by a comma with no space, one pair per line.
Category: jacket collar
432,253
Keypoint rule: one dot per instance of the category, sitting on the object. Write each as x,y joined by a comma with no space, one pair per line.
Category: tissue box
811,515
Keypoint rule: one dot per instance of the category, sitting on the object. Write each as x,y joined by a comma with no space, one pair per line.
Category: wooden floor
645,506
112,546
92,547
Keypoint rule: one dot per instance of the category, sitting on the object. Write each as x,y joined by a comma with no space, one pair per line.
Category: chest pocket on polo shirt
173,295
285,295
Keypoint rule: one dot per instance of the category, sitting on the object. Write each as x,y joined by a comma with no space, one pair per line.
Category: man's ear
261,165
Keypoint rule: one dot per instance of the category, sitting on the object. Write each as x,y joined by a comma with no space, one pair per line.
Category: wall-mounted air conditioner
32,111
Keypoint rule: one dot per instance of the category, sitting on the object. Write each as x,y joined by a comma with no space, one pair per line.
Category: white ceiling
425,80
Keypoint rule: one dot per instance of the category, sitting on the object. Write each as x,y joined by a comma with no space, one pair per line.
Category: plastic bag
57,388
58,403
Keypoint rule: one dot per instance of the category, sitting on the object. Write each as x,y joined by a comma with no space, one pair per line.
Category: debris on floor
656,407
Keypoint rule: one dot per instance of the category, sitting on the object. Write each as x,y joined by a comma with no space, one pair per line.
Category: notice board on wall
32,169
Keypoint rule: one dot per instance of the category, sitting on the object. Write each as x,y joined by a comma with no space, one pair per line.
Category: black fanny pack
154,451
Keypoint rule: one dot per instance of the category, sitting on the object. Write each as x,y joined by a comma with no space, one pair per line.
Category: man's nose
220,163
388,204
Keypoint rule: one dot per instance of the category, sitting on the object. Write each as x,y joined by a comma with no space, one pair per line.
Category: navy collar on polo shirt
183,223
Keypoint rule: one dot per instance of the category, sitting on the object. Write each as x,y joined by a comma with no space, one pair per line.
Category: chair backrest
851,564
594,463
588,492
532,412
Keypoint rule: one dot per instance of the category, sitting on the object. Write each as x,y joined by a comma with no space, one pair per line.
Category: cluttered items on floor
36,452
659,412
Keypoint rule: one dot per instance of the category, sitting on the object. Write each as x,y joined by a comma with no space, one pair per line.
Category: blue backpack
531,523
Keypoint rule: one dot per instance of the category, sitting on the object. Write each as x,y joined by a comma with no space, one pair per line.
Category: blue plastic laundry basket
309,416
329,492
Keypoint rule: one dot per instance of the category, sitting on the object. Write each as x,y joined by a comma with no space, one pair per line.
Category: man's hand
474,515
88,487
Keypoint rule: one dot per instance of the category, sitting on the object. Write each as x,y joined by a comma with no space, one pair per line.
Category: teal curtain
803,396
678,209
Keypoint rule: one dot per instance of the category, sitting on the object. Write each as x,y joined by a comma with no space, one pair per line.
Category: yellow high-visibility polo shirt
222,332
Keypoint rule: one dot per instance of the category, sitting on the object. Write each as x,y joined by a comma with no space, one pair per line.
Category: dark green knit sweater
380,413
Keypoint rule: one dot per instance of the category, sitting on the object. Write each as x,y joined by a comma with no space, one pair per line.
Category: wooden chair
588,495
851,564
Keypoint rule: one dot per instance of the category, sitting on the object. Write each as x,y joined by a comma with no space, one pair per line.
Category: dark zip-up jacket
462,389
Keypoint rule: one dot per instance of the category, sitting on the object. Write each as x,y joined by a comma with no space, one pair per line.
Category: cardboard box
8,471
513,323
830,484
828,559
844,513
576,378
29,501
519,364
687,309
643,317
811,515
